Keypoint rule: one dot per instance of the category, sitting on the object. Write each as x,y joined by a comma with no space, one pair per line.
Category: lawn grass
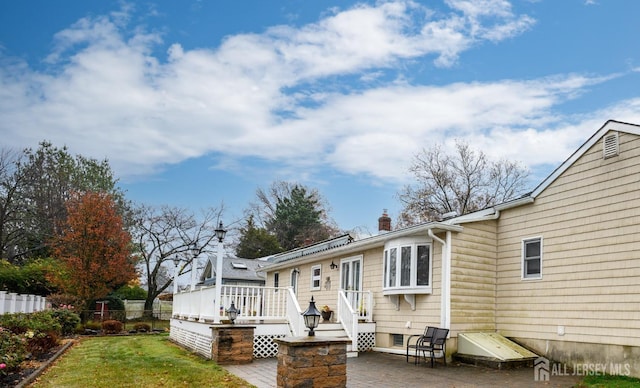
134,361
609,381
153,324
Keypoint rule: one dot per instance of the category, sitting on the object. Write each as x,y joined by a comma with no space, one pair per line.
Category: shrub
40,330
40,342
31,278
12,351
67,319
112,327
142,327
92,325
15,323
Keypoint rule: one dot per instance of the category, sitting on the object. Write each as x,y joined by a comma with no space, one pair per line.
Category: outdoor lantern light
176,261
232,313
311,317
333,265
221,232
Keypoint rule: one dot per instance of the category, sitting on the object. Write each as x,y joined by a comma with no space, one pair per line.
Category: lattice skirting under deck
366,341
193,341
264,347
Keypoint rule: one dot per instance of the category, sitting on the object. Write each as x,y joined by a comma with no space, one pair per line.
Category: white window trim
294,279
412,288
316,277
522,258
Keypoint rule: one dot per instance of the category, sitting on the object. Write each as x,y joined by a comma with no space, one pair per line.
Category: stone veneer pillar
232,344
312,362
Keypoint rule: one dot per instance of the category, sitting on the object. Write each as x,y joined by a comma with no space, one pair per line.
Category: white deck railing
253,303
17,303
260,304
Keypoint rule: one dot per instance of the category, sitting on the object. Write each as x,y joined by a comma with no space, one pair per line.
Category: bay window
407,266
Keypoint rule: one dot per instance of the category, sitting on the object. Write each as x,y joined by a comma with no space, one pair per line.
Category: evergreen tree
256,242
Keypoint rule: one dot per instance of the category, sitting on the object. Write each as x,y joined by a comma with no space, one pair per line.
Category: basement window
610,145
397,340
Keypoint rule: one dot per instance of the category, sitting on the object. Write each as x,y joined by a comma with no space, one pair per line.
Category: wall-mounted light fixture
333,265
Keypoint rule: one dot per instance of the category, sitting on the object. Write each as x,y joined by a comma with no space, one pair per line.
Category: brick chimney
384,223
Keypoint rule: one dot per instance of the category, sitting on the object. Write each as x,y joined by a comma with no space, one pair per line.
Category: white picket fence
10,302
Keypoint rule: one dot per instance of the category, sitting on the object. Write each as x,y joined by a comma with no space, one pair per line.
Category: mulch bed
32,368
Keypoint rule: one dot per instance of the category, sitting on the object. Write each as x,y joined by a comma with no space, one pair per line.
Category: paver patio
374,369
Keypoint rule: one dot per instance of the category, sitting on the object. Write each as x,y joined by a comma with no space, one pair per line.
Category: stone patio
374,369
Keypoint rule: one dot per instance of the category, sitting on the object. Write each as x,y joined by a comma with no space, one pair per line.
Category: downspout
445,292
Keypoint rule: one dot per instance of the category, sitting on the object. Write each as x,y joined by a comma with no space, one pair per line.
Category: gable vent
610,145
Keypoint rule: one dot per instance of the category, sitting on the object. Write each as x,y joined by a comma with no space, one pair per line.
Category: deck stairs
335,330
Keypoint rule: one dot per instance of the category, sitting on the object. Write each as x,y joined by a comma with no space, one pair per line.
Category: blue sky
199,103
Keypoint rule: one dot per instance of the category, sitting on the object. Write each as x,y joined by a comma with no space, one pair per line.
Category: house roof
356,245
343,245
494,211
235,268
611,125
315,248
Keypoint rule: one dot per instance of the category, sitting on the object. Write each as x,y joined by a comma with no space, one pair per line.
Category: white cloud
107,95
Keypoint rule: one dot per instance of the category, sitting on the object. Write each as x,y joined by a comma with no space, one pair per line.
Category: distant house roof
235,268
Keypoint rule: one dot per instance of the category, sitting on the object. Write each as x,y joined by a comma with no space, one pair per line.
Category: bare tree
11,233
167,235
462,182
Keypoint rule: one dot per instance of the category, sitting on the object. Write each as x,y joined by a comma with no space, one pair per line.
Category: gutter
445,292
359,245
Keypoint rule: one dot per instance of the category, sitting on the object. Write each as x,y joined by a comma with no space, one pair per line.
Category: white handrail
348,318
294,314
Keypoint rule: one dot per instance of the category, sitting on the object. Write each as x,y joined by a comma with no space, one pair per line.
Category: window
407,267
294,280
238,265
315,277
532,258
397,340
276,280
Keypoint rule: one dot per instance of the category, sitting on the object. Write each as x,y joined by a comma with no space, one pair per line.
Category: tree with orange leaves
94,246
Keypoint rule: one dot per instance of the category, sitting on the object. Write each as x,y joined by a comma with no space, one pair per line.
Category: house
557,270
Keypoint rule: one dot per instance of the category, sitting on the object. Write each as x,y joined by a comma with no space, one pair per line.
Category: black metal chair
424,338
438,343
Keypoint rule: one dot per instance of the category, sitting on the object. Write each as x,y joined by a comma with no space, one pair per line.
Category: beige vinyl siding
588,219
473,278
